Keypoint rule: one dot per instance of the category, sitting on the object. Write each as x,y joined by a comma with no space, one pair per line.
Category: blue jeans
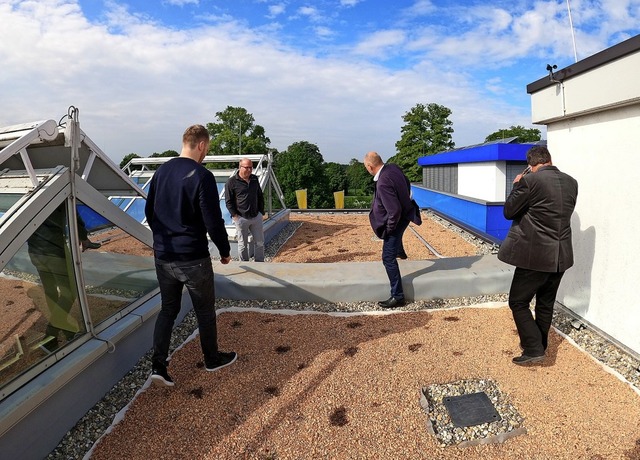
197,276
533,333
392,243
243,227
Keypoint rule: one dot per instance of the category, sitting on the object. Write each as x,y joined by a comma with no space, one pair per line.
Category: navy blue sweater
183,205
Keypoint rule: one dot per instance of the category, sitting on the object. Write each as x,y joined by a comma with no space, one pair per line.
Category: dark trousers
533,333
60,292
197,276
391,246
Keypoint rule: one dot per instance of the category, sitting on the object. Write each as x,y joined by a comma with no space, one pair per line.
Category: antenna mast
573,35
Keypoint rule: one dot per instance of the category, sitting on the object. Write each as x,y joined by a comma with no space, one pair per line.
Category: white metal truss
140,168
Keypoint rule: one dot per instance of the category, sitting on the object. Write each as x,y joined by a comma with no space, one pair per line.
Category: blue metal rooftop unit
469,185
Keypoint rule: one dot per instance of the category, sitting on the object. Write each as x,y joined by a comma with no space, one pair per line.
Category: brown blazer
540,206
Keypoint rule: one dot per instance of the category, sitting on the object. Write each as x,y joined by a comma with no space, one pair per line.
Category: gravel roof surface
328,386
345,380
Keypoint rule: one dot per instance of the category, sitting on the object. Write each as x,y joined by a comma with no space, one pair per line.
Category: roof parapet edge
606,56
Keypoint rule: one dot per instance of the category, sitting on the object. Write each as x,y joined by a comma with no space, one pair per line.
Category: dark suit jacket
391,201
540,205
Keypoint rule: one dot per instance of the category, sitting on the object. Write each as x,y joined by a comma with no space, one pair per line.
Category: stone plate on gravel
443,426
471,409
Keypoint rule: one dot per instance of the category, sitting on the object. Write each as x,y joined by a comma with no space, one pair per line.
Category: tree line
427,130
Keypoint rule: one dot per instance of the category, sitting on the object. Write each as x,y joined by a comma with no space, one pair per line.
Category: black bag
417,218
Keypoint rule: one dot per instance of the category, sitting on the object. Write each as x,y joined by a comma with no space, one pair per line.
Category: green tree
427,131
301,167
523,134
236,133
336,177
127,158
359,180
165,154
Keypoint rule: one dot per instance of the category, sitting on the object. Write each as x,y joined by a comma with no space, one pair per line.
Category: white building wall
483,181
601,152
593,133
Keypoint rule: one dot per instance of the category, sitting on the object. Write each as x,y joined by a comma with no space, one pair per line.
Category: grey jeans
243,228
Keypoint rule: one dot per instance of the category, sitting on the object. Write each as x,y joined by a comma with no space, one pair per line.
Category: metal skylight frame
36,162
264,171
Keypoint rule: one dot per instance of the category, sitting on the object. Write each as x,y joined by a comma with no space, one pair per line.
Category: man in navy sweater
182,207
391,211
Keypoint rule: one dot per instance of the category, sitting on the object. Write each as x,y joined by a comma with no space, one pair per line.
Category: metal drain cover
471,409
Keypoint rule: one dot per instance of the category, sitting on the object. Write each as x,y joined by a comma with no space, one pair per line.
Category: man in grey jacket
539,245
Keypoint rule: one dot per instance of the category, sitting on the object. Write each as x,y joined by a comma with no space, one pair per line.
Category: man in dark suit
391,211
539,245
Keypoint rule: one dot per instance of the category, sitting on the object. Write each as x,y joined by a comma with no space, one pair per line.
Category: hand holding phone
526,171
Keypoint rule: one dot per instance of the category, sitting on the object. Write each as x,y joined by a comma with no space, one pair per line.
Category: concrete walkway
309,282
361,281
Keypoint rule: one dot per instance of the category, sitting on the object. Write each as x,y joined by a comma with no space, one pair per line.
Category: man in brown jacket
539,245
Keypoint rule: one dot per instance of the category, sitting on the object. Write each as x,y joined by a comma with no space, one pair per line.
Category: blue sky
336,73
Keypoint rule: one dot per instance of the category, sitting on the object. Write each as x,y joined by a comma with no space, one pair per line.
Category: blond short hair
195,134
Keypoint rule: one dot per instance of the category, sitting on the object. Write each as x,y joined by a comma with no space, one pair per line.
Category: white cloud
276,9
138,84
421,8
324,32
181,2
380,42
499,35
310,12
486,35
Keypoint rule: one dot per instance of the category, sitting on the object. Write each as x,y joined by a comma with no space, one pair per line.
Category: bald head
373,162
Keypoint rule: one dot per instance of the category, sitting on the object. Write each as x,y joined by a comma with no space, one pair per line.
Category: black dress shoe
402,255
87,244
524,359
391,302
